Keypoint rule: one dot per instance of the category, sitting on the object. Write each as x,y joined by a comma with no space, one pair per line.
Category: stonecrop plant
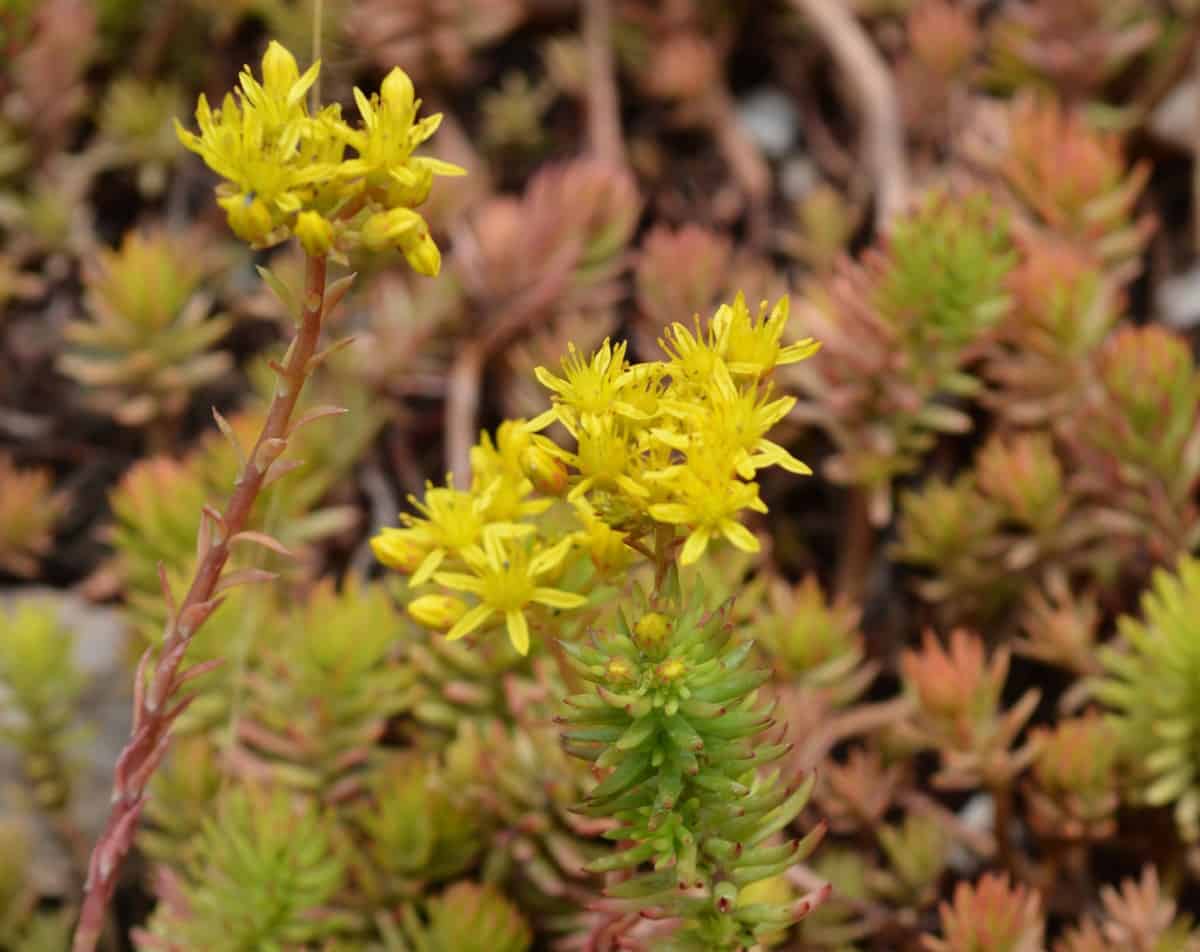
287,170
659,469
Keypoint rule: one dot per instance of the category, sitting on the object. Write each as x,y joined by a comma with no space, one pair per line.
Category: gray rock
771,119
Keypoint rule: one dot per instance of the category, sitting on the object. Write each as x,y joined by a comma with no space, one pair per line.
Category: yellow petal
518,631
696,543
469,622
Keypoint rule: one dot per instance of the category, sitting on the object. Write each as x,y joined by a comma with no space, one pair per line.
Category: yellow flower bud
618,670
397,551
652,632
388,229
547,473
671,670
423,255
315,233
438,612
396,91
248,216
279,67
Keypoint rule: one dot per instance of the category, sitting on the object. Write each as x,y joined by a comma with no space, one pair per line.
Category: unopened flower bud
396,91
671,670
423,255
396,550
279,67
438,612
315,233
547,473
652,632
618,671
388,229
248,216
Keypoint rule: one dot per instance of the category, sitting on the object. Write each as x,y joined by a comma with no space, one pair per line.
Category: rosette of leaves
1074,181
262,878
137,129
991,914
29,508
1073,791
897,332
1135,915
558,246
323,683
1152,684
147,342
516,778
1070,47
1139,440
987,538
467,917
1064,307
673,730
407,831
40,685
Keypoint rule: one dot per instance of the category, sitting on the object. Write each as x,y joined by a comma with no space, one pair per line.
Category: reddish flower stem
158,703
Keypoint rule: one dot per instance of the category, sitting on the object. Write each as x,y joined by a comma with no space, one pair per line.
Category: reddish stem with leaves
159,701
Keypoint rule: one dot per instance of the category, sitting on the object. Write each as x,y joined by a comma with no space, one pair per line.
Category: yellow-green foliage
324,681
1153,684
258,882
468,918
672,722
411,832
41,686
147,341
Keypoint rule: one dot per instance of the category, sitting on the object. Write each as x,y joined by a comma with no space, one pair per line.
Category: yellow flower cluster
287,170
660,448
678,441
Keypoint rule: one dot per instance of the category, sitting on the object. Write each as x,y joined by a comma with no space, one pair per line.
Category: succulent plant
137,127
896,332
1072,47
41,687
671,727
411,832
147,342
1151,683
29,508
991,915
1074,181
157,505
1064,306
1073,788
1135,916
261,878
957,693
468,917
321,689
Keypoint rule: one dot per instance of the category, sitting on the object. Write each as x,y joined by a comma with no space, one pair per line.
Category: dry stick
603,104
871,84
156,704
466,373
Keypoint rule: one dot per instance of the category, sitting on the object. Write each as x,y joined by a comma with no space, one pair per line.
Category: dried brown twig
158,701
871,84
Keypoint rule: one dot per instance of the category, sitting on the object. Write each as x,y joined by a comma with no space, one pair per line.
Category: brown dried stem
603,104
871,84
158,702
